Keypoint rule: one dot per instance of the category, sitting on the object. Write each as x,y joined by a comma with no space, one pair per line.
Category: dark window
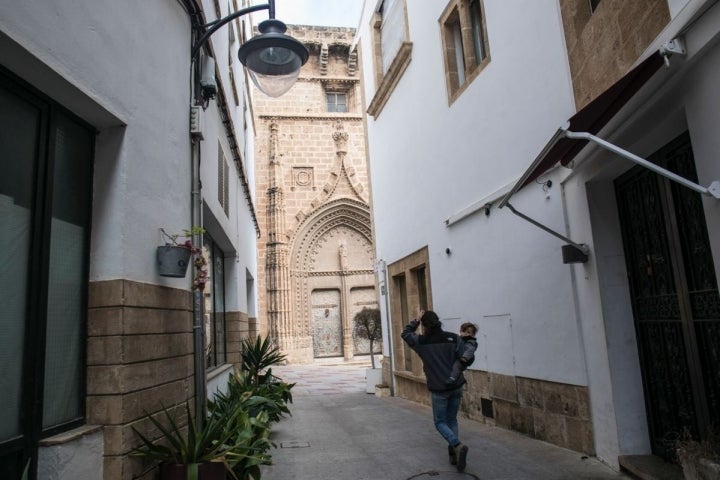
336,102
223,181
214,305
46,155
476,21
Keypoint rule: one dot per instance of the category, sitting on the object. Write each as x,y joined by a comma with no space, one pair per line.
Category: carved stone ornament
341,137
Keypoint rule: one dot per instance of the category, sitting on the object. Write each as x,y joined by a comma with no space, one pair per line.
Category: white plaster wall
127,57
703,114
430,160
675,6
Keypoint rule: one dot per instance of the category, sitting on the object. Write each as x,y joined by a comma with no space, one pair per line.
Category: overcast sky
328,13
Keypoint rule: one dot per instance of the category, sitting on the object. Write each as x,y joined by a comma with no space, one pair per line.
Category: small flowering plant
200,262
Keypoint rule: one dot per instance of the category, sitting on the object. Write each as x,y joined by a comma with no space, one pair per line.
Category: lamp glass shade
274,85
273,58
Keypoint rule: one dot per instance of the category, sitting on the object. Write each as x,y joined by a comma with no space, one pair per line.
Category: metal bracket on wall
572,253
713,190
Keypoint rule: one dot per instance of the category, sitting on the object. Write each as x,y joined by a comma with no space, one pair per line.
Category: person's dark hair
467,325
430,320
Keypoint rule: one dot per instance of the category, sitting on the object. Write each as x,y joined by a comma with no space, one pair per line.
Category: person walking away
468,346
438,351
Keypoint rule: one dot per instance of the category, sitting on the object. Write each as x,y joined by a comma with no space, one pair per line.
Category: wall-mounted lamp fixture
272,58
546,187
573,254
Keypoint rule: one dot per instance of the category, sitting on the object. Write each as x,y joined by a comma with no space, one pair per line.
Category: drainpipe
198,327
382,266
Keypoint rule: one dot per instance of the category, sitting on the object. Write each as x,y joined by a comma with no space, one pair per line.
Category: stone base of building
299,351
140,359
556,413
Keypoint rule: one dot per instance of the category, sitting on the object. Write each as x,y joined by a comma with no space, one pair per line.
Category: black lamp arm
219,23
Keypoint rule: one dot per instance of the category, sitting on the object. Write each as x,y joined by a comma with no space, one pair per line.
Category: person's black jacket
438,350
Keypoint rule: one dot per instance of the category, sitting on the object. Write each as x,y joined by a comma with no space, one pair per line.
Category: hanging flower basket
173,260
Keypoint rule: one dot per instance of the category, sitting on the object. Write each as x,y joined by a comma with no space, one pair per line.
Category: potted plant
699,459
235,438
174,257
368,326
206,453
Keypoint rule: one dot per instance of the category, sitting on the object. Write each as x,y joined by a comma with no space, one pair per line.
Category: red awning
592,118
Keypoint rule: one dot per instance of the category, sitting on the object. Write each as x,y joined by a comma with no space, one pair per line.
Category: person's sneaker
451,453
461,456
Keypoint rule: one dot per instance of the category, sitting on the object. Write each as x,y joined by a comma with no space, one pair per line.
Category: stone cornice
331,273
340,116
329,79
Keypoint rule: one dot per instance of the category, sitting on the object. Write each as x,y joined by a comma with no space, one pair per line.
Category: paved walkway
337,431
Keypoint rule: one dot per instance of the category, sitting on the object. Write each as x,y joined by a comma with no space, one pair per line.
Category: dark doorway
674,296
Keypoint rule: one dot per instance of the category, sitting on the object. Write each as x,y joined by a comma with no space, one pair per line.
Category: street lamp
272,58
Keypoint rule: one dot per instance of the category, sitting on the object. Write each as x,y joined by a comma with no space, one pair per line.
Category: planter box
382,391
373,376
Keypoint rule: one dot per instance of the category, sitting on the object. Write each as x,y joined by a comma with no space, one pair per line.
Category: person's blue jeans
445,406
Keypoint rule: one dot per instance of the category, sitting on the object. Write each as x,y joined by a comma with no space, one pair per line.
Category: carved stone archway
332,251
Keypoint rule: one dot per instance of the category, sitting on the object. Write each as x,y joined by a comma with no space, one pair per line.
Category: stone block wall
238,327
139,358
553,412
604,44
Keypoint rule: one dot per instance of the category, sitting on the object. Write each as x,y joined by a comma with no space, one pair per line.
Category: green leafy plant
222,439
257,355
368,326
237,429
269,395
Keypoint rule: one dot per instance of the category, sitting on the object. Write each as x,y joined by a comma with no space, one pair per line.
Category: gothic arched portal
331,279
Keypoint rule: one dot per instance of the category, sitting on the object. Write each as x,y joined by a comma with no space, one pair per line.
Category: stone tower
316,249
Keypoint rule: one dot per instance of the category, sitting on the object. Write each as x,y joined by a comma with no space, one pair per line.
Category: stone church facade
316,247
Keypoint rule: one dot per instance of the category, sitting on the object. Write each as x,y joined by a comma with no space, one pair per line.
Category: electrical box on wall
196,122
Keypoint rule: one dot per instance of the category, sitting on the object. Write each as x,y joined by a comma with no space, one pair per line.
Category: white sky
326,13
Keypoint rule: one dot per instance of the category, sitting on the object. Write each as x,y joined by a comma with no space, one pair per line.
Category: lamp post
273,60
